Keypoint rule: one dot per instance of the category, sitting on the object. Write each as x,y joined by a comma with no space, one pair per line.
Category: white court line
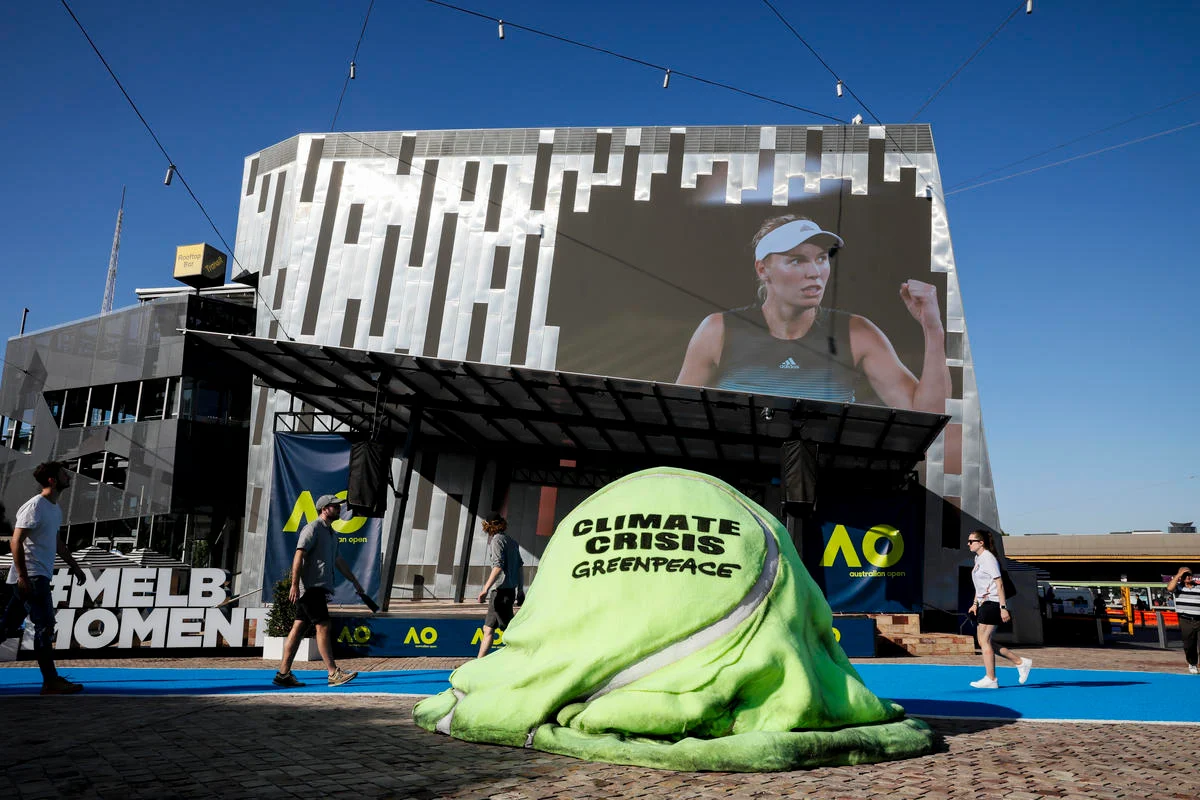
1052,719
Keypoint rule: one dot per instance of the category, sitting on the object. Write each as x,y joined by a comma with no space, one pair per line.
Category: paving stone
284,746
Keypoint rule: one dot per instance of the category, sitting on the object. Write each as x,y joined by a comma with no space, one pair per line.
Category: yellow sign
840,544
305,511
200,265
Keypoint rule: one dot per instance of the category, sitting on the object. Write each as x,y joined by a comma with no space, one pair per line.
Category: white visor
790,234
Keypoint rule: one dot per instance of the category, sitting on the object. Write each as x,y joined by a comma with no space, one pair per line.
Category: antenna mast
110,286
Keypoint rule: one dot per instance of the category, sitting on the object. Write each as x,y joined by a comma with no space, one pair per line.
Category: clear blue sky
1080,281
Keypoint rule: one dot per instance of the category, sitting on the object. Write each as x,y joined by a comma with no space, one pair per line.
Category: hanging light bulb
500,29
352,66
856,119
666,79
170,175
839,87
1028,6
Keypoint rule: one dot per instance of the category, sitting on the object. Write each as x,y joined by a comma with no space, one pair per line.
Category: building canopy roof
589,418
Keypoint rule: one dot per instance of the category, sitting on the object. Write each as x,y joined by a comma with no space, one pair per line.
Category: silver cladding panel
319,259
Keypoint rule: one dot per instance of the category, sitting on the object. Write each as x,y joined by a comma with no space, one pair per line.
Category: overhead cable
1075,140
842,85
353,64
970,58
173,168
1075,158
660,68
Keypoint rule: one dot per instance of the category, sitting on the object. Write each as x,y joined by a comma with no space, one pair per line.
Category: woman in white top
990,609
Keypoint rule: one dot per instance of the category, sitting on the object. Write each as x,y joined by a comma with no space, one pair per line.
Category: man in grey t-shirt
312,585
504,557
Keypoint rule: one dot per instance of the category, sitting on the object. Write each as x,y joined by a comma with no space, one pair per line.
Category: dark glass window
172,404
154,399
54,400
22,440
91,466
102,405
116,470
74,408
125,406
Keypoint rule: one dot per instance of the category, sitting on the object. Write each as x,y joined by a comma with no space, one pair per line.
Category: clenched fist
921,299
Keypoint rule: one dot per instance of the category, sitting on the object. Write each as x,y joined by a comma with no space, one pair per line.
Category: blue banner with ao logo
867,551
307,466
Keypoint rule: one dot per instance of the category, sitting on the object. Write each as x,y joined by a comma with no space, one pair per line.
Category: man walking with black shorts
312,585
504,557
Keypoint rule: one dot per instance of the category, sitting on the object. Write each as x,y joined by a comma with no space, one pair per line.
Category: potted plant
280,619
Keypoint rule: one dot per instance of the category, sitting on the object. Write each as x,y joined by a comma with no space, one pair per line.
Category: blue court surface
925,690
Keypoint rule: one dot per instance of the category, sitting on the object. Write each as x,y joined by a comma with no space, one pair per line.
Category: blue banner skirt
307,466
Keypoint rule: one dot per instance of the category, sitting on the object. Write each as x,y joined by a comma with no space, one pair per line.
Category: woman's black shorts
989,613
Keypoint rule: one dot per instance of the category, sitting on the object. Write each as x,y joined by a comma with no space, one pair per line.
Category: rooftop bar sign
166,607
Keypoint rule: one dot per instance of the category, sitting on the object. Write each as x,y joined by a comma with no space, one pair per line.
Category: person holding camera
990,609
1187,605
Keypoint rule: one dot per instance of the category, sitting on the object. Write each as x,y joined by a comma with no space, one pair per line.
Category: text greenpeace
127,607
655,543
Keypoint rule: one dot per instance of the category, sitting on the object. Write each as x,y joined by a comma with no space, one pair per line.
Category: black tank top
752,360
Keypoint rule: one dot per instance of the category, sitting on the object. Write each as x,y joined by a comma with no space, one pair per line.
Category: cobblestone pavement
289,745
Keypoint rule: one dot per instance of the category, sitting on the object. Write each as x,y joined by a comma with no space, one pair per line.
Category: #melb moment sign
128,607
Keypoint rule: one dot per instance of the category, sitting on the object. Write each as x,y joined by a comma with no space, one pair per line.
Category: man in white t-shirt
35,541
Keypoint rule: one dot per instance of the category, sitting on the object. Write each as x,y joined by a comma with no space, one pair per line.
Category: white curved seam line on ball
443,724
705,636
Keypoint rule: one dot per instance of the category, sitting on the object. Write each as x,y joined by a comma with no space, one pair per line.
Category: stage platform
403,609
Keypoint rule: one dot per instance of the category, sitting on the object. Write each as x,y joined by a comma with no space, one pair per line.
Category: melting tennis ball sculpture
672,625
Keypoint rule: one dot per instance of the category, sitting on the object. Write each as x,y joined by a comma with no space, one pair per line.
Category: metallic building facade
154,429
443,243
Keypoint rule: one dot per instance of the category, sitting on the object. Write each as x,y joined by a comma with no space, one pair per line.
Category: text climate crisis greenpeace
126,607
637,543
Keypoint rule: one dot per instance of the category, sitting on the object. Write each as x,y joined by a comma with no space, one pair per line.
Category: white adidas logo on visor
789,363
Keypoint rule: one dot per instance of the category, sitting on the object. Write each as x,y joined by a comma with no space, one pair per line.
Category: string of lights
172,169
841,87
668,72
351,73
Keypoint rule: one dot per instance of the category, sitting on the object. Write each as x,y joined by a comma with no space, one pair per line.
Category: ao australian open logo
881,547
656,543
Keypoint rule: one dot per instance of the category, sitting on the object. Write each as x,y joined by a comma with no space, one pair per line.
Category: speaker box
799,477
370,469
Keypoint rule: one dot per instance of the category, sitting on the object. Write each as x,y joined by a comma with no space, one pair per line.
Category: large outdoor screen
828,296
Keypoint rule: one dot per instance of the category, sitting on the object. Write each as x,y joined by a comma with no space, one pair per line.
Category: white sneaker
1193,669
986,683
1023,669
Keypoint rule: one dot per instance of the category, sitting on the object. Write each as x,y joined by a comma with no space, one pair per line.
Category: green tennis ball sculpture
672,625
